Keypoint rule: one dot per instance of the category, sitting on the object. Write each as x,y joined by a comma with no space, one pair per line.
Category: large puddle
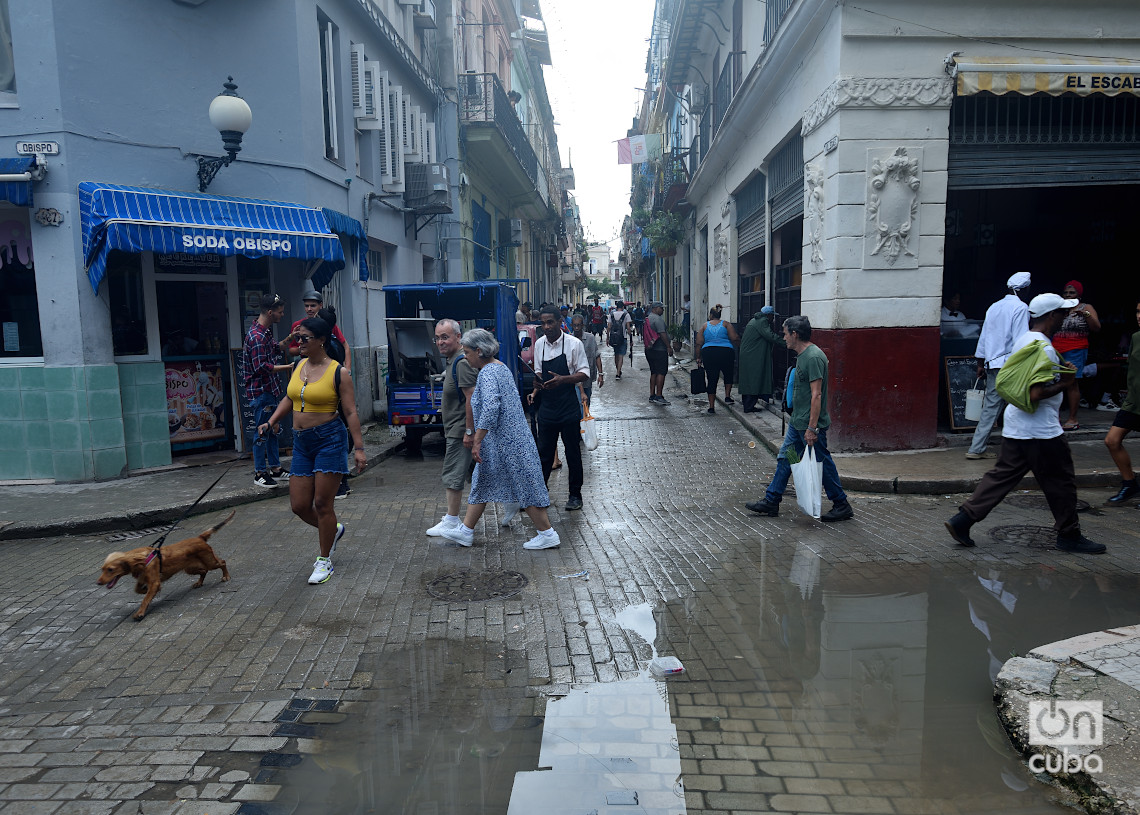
806,688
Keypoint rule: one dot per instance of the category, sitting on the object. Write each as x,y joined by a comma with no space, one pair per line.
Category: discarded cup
751,445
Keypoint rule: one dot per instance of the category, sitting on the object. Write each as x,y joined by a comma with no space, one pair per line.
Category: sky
598,48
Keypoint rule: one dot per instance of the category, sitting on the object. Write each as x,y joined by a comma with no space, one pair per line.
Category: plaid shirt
258,358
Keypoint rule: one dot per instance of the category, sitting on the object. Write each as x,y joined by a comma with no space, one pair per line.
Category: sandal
1070,426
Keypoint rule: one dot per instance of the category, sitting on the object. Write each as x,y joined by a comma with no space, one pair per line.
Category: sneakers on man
762,507
509,513
343,491
1109,405
1080,545
544,540
573,502
445,524
322,571
1127,490
340,530
264,480
959,528
459,533
979,456
838,512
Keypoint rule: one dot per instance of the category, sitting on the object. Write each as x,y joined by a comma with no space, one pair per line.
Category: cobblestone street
828,668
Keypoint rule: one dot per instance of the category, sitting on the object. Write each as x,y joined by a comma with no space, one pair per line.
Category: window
376,266
19,305
128,305
329,39
365,154
7,61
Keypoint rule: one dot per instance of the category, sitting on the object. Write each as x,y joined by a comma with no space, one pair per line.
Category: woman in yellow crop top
319,438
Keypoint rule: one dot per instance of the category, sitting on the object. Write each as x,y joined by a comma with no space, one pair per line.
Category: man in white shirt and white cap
1006,320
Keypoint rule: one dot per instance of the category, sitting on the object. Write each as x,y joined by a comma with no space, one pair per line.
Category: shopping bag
697,383
589,428
807,473
1027,366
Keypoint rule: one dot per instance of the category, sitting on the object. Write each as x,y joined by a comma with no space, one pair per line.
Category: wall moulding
850,92
893,181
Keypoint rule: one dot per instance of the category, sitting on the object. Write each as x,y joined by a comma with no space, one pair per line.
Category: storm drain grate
1039,502
1035,537
138,533
471,585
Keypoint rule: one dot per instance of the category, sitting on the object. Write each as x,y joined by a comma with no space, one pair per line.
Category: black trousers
571,433
1051,463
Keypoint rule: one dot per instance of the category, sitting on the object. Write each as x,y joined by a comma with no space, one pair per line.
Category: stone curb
160,513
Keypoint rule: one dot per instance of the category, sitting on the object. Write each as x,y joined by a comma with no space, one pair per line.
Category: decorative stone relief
720,258
726,208
813,212
893,181
49,217
880,92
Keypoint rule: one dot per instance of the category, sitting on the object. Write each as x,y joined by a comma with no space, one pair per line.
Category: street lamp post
230,114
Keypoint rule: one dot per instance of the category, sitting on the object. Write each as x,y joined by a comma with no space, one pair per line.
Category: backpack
616,326
639,314
789,385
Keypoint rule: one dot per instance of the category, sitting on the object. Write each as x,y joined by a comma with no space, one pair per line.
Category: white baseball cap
1042,304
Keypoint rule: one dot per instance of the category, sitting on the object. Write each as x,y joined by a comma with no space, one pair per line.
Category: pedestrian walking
458,420
1005,321
657,351
756,347
260,355
808,426
716,353
597,319
522,316
313,302
316,395
1034,442
638,315
1072,342
617,335
590,344
1127,419
507,467
560,365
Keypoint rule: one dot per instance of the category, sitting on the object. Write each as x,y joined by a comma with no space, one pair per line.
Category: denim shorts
1078,356
319,449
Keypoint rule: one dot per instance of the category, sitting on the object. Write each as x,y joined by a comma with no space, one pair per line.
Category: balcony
496,139
722,96
777,9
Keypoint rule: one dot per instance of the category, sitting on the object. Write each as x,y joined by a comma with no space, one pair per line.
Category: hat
767,310
313,294
1018,280
1042,304
657,304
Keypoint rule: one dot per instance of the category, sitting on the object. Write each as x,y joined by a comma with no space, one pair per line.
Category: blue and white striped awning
18,192
352,230
137,219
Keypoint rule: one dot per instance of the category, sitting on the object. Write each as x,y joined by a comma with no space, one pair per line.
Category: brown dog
193,556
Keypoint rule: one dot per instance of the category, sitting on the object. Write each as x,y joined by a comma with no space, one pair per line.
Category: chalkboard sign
961,374
245,424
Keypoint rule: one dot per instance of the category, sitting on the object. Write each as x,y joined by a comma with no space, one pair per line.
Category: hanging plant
665,231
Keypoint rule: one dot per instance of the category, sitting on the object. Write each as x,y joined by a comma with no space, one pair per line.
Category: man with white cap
1034,442
1006,320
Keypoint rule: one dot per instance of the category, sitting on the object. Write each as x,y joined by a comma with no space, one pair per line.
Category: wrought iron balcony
722,96
777,9
484,103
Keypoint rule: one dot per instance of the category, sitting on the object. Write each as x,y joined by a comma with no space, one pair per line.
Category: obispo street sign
31,148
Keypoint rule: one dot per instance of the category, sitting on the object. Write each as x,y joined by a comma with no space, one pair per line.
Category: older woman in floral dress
507,466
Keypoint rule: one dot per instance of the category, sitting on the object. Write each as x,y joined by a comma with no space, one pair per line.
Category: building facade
860,164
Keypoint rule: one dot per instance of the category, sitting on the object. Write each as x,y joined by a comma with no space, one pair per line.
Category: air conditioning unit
427,189
423,15
510,232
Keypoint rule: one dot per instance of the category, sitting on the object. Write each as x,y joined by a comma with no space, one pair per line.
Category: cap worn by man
313,294
1018,280
767,310
1042,304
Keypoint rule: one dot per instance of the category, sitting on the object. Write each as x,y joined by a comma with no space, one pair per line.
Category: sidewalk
151,499
936,471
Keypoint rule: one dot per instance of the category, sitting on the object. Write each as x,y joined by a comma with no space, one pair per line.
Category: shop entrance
192,319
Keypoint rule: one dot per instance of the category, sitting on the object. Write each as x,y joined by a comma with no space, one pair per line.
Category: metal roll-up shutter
980,167
750,233
787,205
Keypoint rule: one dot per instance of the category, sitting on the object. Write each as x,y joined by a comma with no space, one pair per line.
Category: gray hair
452,325
482,342
800,326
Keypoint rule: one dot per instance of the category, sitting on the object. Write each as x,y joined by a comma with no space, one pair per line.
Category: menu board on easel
246,418
961,374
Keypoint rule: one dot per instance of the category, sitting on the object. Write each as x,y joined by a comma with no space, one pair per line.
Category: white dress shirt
567,344
1006,321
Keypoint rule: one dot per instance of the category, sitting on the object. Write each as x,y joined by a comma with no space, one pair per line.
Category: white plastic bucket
974,398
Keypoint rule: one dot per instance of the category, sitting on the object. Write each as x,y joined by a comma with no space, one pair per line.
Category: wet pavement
827,668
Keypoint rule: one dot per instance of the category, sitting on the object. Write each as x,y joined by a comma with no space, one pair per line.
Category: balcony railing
484,102
722,96
777,9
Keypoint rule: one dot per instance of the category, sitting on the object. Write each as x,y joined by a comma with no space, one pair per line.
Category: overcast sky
598,48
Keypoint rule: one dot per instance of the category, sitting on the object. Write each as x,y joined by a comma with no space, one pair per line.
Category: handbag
697,382
807,473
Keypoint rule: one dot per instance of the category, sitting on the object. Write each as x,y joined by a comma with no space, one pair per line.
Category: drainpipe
448,123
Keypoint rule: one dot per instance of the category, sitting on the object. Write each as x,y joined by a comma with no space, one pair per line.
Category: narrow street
827,668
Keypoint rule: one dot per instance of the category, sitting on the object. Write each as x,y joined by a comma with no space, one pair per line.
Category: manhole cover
1039,502
471,585
139,533
1035,537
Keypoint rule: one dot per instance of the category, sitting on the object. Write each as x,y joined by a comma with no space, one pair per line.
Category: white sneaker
322,571
447,522
340,530
459,533
509,513
1107,406
544,540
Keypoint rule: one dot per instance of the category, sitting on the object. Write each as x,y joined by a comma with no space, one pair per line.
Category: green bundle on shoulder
1025,368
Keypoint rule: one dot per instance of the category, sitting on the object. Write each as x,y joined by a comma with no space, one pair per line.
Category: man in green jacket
756,348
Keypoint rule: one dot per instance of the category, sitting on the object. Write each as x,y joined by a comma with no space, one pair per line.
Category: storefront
185,274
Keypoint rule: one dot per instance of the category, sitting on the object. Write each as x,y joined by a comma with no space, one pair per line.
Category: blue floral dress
510,471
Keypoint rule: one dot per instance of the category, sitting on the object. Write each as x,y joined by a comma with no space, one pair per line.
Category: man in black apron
560,365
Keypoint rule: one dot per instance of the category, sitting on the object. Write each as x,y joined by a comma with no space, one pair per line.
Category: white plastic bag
808,476
590,433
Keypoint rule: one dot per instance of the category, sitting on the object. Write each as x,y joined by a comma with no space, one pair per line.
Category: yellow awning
1053,75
